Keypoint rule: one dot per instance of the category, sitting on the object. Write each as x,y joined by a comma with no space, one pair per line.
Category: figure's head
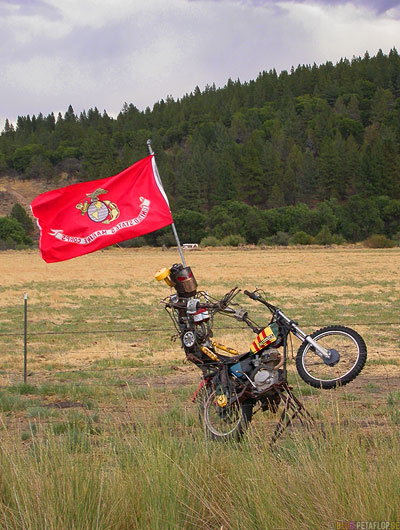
181,278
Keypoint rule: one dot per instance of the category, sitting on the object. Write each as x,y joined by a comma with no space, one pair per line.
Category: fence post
25,332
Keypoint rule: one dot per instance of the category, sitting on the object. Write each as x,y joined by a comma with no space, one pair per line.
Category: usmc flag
88,216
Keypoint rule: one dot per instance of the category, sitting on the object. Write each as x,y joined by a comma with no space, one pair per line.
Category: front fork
299,333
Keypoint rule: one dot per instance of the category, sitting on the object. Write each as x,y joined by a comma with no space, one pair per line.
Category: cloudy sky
102,53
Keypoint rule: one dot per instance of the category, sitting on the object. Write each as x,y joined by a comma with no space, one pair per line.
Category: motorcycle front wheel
348,356
228,422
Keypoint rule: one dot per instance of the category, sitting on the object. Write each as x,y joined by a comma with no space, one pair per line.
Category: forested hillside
312,150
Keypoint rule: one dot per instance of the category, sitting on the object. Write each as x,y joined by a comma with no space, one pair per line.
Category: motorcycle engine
267,374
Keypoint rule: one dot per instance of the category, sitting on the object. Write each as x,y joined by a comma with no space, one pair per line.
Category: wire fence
123,367
114,362
169,329
154,366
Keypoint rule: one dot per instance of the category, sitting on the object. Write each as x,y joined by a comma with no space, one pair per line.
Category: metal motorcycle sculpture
232,385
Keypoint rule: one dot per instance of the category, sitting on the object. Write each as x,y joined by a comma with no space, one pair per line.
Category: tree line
313,148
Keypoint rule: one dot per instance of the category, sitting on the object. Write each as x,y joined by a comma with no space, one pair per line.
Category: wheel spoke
348,351
350,360
224,421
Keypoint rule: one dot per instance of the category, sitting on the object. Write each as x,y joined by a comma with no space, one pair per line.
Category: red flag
88,216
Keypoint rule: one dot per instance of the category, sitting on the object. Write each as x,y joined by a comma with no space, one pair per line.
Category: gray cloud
32,8
378,6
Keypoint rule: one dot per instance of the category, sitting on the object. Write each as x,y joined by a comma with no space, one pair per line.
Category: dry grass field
97,319
116,290
103,376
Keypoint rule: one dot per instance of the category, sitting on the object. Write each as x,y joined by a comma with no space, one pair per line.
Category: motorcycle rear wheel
344,341
226,423
201,398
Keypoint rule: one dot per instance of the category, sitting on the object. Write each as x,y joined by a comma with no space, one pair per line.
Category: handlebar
253,296
259,298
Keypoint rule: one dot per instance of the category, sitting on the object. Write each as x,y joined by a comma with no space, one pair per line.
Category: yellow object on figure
163,274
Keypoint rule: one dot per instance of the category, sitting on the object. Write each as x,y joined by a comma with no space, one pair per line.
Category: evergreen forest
306,155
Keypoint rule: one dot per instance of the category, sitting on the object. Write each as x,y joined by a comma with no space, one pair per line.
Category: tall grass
128,455
146,478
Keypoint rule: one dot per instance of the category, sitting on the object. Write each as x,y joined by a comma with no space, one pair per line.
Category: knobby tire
351,347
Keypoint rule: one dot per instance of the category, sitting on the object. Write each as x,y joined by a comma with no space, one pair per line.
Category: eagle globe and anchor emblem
99,211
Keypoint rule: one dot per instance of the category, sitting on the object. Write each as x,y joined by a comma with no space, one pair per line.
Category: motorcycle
232,385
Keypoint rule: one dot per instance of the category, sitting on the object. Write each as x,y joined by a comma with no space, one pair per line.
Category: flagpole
162,187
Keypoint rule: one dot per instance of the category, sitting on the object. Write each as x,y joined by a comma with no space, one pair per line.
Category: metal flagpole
162,187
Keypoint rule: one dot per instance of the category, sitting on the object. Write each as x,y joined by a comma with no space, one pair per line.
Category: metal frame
295,407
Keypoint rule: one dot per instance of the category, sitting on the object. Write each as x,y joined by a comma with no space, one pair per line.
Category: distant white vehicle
190,246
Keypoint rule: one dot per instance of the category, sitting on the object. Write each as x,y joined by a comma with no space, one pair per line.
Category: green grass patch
118,363
138,392
22,389
40,412
76,392
372,387
78,375
393,398
395,417
350,397
383,362
11,403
